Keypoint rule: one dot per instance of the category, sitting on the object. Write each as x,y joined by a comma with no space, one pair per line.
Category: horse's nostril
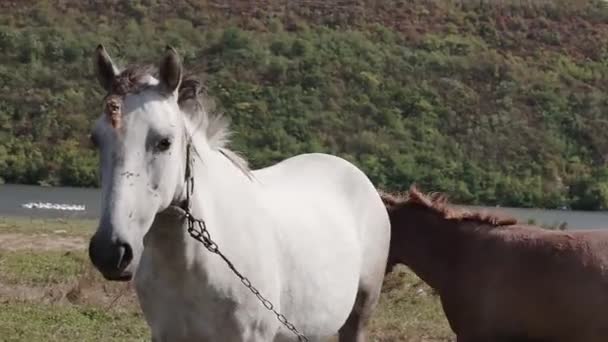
126,255
111,257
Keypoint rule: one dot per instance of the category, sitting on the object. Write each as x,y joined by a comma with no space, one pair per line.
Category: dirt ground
87,288
41,242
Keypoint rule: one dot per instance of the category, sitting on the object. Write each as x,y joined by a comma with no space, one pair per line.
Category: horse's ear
170,71
104,67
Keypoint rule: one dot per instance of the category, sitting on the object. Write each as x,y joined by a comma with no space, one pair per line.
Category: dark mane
135,78
132,80
438,203
191,92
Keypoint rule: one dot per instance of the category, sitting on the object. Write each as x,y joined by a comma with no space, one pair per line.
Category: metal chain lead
198,230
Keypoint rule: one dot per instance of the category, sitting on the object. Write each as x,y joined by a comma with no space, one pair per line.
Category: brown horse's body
499,281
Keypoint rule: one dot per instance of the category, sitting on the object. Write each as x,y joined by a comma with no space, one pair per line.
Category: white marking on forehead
150,80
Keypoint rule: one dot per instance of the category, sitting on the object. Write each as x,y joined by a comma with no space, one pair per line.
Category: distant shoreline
11,205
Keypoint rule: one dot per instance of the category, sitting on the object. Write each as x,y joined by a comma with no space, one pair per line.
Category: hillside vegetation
494,103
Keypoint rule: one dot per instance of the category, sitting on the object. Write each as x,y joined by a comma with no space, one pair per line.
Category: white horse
310,233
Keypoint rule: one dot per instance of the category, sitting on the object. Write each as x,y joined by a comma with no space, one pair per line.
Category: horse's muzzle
111,257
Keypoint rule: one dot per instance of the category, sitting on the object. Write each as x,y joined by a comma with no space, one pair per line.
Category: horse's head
141,138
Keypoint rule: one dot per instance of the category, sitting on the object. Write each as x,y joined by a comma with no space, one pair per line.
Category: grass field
50,292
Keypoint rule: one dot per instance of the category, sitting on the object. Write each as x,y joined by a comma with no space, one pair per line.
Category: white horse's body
299,232
311,234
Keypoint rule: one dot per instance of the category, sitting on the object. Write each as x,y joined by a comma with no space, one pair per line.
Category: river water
13,197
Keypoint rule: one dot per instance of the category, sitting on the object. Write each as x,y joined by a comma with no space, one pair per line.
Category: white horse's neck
220,189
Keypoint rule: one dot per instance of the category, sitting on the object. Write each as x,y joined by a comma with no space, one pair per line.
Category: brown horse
500,281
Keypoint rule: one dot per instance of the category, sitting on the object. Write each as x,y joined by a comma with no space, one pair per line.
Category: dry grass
61,227
83,308
408,311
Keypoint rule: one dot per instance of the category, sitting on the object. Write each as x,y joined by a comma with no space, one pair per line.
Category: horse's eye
163,144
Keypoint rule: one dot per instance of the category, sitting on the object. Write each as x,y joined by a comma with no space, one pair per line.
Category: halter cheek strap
189,177
185,204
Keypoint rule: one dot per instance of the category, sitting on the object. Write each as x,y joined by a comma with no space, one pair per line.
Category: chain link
198,230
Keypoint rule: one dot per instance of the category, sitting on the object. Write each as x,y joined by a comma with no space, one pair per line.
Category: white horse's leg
294,338
370,286
355,328
256,334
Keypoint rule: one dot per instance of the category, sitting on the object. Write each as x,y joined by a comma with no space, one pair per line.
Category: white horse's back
334,233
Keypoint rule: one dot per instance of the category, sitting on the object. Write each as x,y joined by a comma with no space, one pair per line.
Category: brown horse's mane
439,204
